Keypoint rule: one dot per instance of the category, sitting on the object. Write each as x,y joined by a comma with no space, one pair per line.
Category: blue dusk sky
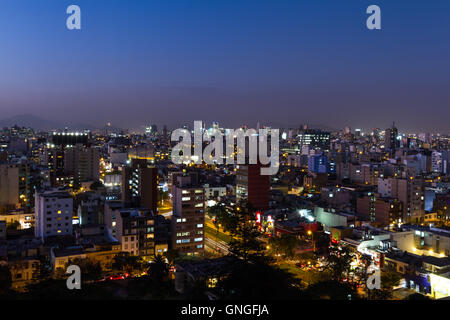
282,62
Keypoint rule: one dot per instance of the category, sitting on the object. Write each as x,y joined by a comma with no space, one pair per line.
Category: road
217,244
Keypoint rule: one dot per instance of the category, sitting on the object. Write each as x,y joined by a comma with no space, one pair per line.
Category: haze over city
136,63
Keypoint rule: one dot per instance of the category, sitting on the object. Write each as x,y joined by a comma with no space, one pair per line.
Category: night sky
284,62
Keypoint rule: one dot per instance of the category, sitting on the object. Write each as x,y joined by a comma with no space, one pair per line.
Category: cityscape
349,214
243,151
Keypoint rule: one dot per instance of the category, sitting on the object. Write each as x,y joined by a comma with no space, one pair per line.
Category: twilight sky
287,62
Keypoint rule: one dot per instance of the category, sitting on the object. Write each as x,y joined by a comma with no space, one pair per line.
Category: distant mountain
31,121
38,124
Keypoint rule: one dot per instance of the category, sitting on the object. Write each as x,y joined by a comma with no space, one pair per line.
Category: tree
5,278
284,245
258,281
245,242
158,269
222,216
96,185
389,280
339,262
322,242
125,262
44,269
90,270
171,255
307,258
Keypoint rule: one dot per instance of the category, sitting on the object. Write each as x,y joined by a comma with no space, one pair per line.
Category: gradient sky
285,62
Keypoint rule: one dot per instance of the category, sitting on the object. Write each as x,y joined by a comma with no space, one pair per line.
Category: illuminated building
411,192
385,211
440,285
140,184
83,163
314,139
391,141
134,228
252,186
53,211
188,217
318,163
54,155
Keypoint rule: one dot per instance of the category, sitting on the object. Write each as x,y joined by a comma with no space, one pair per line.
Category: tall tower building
83,163
390,138
188,215
140,184
253,187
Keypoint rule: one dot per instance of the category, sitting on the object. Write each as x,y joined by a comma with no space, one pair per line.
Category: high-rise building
83,163
15,191
411,192
437,163
188,217
314,139
385,211
140,184
9,187
54,212
54,155
390,138
318,163
252,186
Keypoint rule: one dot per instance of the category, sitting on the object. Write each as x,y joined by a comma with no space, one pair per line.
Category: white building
436,162
54,211
213,192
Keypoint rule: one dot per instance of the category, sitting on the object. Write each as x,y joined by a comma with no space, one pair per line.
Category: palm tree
158,269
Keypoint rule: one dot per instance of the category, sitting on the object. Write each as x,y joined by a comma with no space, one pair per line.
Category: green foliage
44,270
245,242
125,262
284,245
90,270
96,185
389,279
158,269
338,262
171,255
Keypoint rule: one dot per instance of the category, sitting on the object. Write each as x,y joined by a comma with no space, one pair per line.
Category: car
119,276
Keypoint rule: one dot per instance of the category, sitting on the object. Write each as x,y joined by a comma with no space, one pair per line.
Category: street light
310,233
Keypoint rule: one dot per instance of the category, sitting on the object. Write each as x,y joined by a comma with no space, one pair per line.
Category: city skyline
234,63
